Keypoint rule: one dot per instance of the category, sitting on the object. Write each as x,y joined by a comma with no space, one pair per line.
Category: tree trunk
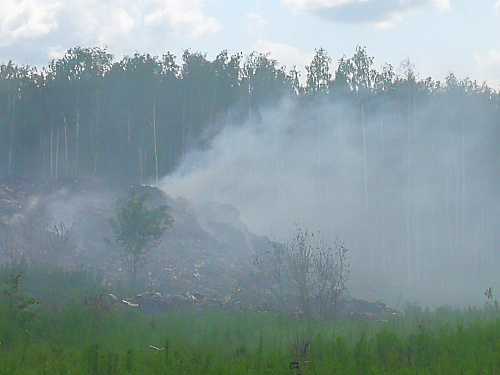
57,152
155,144
66,144
11,108
51,150
77,136
129,149
134,271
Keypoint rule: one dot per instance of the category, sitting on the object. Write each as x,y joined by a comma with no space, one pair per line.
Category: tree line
87,114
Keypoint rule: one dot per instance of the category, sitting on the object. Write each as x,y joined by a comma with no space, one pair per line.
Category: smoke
398,184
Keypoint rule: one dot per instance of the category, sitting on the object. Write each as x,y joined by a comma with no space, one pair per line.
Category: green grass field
73,333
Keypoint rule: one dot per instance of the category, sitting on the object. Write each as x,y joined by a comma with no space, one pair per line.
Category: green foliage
84,335
240,342
20,309
137,230
54,286
99,361
361,354
318,73
90,115
225,342
87,96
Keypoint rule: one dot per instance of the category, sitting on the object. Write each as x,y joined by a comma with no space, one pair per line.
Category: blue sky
438,36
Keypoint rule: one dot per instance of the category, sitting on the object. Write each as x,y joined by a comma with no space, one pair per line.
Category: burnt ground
200,260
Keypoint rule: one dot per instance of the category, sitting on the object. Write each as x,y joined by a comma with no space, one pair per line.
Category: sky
437,36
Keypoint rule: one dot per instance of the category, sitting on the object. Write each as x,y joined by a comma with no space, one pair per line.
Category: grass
72,336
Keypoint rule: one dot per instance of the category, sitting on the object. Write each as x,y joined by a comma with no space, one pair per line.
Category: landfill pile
199,262
203,251
154,302
373,311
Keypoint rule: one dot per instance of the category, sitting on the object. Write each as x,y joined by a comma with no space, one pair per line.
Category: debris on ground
199,262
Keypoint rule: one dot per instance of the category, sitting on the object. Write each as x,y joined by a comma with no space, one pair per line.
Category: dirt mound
199,263
203,251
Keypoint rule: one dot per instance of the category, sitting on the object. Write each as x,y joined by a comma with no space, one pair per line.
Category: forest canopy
88,114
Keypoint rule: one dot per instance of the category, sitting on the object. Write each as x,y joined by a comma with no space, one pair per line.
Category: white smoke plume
401,190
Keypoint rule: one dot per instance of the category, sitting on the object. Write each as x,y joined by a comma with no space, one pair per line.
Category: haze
404,170
412,192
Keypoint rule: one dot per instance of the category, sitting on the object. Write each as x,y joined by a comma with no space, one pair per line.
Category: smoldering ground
409,188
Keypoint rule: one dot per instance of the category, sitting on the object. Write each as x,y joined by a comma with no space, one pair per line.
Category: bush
305,276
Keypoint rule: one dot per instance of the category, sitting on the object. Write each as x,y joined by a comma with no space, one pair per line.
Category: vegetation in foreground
60,325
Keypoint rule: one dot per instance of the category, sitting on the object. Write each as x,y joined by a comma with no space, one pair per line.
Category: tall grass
75,337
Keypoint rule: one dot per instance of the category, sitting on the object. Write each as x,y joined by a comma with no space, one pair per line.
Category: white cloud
95,22
56,52
26,19
443,4
130,24
301,5
184,17
389,22
488,65
491,58
381,13
497,6
285,54
256,23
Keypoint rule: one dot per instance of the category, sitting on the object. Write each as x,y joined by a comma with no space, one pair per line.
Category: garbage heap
200,261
